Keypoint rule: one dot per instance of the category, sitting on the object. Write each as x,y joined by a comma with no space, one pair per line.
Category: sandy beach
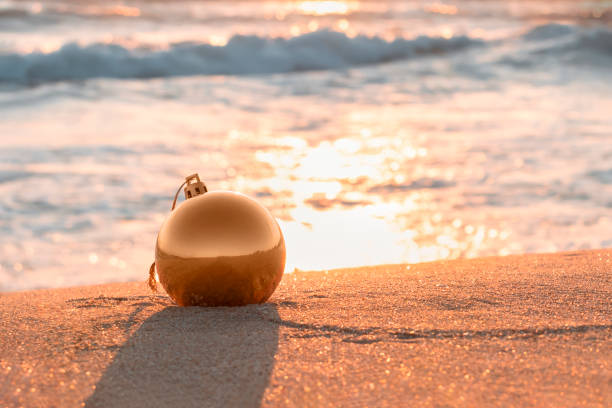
532,330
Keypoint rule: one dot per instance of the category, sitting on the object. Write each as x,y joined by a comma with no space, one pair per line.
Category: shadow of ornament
193,357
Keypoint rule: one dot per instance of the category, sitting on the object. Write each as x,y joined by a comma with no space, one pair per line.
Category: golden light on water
217,40
332,180
124,11
320,8
343,25
446,32
36,8
377,192
46,47
439,8
295,30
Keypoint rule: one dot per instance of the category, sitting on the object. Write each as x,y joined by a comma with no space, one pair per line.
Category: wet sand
532,330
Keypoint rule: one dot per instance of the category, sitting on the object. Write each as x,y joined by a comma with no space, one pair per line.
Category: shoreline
347,269
526,330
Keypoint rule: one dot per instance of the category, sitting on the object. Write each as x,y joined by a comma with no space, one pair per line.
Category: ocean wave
566,37
242,55
563,45
549,31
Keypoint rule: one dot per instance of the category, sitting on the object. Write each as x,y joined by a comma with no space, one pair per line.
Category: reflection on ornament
219,248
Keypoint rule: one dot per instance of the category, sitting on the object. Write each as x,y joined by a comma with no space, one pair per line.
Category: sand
533,330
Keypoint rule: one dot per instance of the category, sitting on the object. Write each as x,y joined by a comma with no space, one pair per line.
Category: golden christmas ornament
218,248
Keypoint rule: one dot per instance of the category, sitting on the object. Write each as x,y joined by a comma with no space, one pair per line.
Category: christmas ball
220,248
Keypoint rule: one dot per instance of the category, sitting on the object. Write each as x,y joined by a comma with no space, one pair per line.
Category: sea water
375,131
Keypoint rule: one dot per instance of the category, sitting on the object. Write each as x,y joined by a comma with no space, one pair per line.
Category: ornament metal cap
193,186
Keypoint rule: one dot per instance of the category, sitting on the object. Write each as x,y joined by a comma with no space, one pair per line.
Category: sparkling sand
532,330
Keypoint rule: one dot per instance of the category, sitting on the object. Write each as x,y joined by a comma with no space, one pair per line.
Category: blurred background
375,131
